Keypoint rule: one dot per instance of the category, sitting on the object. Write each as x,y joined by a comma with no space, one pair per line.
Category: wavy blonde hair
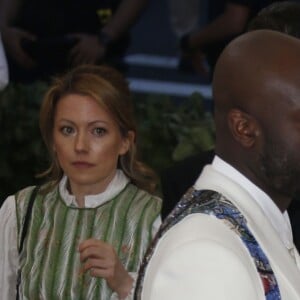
109,88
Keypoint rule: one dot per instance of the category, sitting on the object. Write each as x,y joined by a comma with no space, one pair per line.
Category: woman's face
87,142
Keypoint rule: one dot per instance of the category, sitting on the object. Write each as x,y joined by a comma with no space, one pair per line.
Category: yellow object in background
104,15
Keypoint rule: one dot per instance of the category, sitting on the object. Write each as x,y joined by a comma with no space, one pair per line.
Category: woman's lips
82,164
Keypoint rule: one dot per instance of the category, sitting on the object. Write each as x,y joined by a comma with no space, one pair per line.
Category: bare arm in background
12,36
89,49
231,22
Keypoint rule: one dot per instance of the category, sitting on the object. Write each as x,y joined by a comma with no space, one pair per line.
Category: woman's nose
81,142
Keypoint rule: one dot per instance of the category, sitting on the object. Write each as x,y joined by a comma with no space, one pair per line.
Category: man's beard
280,168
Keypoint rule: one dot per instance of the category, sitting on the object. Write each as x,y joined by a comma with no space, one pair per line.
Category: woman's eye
99,131
67,130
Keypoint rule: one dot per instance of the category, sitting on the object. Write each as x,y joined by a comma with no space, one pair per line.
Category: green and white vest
50,263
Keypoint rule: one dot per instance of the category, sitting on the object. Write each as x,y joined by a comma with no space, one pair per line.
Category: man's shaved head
253,65
256,89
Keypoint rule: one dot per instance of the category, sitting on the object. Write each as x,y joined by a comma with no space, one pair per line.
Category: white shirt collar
117,184
280,221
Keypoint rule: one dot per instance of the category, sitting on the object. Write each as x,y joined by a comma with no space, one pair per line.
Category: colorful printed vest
49,262
214,204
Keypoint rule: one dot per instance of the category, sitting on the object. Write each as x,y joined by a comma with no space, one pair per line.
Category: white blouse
3,67
9,256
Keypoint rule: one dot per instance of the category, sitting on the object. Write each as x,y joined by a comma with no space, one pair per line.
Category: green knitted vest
50,263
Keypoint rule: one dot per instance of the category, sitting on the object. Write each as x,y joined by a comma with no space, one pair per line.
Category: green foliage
167,132
21,149
170,132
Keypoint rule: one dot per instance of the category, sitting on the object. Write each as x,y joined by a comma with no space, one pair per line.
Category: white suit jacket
202,258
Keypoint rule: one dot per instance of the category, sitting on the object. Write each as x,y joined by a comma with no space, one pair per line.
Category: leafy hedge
168,132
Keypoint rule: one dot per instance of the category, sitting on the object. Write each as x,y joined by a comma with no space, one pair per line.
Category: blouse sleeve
9,249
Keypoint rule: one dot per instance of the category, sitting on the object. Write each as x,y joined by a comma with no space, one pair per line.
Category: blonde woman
90,225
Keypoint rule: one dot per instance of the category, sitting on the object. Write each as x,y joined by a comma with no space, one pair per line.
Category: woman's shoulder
17,199
24,192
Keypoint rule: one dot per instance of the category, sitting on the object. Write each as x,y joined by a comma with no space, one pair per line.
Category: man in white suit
230,235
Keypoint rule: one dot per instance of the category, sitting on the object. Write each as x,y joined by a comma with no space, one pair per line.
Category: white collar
90,201
280,221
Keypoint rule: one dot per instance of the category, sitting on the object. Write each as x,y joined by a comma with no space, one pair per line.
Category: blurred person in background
201,48
3,67
184,15
46,37
283,16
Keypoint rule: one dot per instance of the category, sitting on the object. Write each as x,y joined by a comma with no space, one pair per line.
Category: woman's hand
101,260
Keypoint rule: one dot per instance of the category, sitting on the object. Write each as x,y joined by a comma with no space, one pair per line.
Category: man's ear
243,127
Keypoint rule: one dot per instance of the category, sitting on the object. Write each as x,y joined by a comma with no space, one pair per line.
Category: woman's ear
128,140
243,127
